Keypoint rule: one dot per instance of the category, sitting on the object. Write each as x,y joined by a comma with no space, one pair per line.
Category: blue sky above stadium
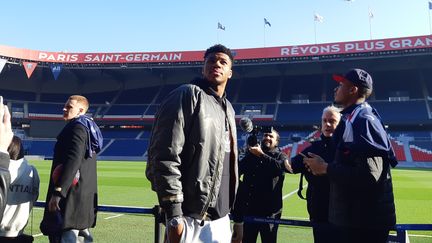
163,25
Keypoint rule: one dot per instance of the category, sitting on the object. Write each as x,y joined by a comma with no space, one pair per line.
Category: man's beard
266,146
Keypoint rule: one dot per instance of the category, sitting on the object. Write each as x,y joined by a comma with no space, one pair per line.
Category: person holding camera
260,192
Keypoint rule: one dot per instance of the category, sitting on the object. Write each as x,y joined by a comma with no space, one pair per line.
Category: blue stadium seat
126,147
39,147
17,95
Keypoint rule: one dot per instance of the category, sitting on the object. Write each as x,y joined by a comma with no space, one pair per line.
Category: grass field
125,184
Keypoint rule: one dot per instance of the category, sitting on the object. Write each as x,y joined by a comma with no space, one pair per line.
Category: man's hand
256,150
175,232
53,204
287,165
237,235
6,133
315,164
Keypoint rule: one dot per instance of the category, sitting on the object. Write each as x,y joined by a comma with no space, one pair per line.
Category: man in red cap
361,205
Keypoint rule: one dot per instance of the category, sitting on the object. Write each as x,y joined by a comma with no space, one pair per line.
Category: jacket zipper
207,205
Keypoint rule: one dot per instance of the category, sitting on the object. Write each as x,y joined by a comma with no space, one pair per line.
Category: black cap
356,76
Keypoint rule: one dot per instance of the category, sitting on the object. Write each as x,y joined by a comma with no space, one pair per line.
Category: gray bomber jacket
186,151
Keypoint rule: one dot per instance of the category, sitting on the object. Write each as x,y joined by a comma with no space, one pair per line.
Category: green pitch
124,183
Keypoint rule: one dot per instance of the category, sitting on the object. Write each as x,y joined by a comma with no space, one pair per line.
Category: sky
82,26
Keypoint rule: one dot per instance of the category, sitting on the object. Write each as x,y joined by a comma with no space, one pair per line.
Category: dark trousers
322,232
19,239
54,239
360,235
268,232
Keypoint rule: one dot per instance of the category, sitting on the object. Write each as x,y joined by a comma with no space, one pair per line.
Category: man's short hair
16,149
333,109
277,135
364,92
219,48
82,100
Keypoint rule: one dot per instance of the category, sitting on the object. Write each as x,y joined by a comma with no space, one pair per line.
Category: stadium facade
286,87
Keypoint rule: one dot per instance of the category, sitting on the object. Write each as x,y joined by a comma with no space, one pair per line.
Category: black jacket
260,192
187,150
318,189
78,203
4,181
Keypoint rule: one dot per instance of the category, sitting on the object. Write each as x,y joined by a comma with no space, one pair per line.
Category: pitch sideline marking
115,216
293,192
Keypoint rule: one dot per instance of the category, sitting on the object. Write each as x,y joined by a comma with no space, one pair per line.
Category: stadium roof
96,72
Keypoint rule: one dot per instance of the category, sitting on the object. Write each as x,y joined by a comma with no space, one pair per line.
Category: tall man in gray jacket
192,161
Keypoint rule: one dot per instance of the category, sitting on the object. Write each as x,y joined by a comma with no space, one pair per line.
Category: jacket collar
205,85
349,109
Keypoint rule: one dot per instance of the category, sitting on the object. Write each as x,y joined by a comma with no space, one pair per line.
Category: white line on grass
424,236
37,235
115,216
420,236
299,218
293,192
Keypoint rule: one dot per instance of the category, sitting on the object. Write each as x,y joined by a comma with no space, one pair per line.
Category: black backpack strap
300,189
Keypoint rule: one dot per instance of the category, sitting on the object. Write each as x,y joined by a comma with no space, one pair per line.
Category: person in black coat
72,194
318,189
260,192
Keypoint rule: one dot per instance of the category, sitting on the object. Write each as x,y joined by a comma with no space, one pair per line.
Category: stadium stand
126,147
126,110
399,150
252,90
138,96
39,147
124,133
287,92
18,95
421,151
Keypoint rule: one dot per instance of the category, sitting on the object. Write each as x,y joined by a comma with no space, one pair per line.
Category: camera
247,126
252,139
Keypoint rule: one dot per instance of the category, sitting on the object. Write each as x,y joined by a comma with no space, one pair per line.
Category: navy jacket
361,193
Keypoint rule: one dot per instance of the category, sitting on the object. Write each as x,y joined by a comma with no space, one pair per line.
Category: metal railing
401,229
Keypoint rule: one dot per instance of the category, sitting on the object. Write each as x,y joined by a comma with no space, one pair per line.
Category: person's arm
363,170
173,121
36,184
237,211
4,181
297,164
237,235
6,136
72,157
273,164
74,154
166,144
364,173
6,133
